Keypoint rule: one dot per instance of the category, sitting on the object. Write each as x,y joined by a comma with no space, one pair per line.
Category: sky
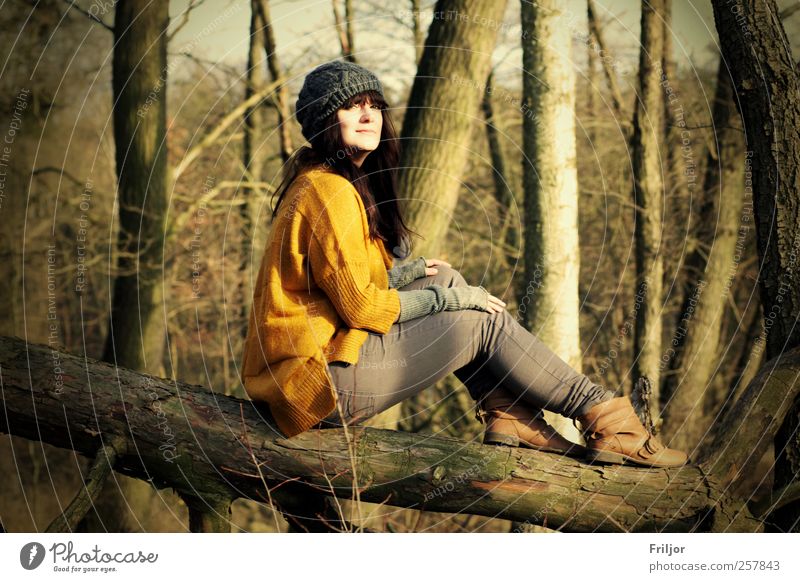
218,31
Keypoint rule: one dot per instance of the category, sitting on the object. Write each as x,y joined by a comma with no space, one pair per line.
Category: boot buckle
652,445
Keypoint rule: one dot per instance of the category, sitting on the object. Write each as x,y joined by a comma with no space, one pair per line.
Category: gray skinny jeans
482,349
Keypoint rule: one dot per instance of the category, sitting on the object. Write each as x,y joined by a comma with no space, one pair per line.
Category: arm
402,275
435,298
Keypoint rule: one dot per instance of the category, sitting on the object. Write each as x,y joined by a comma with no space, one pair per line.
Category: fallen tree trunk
212,449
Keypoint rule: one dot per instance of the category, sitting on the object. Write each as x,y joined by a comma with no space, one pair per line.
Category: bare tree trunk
419,32
504,196
137,331
550,178
673,114
263,56
648,198
710,269
768,89
281,97
443,103
591,98
607,61
136,335
252,158
345,29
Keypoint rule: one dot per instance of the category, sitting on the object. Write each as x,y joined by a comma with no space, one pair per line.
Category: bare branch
194,152
89,15
185,18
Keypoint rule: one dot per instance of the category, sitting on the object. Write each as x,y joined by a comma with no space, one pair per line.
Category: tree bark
137,332
419,32
281,97
550,183
215,448
710,268
648,196
442,107
607,61
765,76
503,194
136,335
345,29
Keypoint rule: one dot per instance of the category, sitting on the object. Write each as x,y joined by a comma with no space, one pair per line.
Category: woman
337,335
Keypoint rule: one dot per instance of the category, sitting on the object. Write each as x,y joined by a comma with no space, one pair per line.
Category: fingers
497,300
434,262
495,304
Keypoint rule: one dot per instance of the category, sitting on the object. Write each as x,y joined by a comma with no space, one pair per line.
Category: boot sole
618,459
498,438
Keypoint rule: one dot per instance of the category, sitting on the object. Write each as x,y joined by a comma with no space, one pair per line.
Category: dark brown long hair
375,180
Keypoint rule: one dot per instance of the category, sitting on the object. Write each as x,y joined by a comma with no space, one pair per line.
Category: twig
258,465
98,473
194,152
185,14
89,15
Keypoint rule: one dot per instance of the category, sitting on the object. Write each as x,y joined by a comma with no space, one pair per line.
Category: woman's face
361,129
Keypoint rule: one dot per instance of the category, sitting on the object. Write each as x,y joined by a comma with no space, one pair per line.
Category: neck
358,158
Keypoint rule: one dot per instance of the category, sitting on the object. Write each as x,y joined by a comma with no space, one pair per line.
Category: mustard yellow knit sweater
322,286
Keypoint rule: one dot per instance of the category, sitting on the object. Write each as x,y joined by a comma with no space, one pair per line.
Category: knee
450,277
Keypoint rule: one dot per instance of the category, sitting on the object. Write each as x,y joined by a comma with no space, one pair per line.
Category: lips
364,131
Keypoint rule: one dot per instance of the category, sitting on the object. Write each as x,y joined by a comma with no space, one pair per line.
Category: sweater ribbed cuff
402,275
420,302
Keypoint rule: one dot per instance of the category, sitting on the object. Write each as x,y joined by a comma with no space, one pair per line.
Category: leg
420,352
475,375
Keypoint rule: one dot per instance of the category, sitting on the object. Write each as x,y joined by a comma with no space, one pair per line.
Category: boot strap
652,445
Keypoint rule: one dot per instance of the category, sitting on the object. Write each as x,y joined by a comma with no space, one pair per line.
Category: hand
431,266
495,304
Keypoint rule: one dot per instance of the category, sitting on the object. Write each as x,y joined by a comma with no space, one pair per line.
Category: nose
366,111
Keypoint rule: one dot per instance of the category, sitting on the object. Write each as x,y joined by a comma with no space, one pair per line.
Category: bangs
373,96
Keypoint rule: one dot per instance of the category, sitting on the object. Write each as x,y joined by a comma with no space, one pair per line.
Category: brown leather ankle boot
510,421
614,434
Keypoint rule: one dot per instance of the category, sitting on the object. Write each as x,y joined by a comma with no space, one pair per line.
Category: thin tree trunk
137,332
281,97
550,178
768,90
136,335
591,98
345,29
607,61
419,32
648,196
504,197
710,269
444,101
252,153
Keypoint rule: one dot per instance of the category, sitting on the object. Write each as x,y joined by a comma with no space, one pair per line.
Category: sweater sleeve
418,302
339,261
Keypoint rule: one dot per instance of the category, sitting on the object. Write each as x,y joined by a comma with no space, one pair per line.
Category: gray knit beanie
326,88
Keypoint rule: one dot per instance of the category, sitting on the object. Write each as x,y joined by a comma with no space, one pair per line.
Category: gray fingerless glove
402,275
435,298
